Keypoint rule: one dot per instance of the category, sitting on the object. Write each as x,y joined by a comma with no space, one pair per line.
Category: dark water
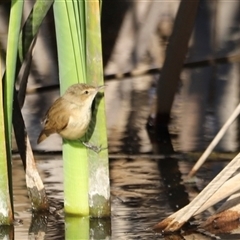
143,191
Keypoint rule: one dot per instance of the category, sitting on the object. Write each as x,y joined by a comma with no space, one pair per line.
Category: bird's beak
100,87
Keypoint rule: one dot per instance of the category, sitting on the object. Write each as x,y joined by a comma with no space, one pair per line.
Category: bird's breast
77,125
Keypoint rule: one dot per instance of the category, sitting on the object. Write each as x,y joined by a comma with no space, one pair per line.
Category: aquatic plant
86,177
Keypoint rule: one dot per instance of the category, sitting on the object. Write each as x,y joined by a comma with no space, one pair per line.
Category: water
143,192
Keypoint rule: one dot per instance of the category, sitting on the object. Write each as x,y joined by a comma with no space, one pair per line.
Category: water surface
143,192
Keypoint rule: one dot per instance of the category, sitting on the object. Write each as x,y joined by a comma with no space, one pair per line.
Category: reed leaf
11,60
36,190
80,60
6,109
72,69
6,214
32,25
99,187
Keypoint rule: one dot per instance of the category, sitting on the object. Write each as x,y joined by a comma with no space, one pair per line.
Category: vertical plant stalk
178,43
27,39
99,186
11,60
32,25
6,213
36,190
78,39
72,69
8,85
169,78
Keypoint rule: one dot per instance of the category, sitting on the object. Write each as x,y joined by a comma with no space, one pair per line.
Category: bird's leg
96,149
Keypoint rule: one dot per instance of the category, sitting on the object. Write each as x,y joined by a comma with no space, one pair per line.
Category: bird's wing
57,117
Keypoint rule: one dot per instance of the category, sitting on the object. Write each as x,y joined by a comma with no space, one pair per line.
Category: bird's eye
86,92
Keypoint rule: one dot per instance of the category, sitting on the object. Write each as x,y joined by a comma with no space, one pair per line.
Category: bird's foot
96,149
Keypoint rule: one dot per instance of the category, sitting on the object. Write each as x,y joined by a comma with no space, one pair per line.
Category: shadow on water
143,192
172,180
144,189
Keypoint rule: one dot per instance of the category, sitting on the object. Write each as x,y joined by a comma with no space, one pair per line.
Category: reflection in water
138,198
38,227
100,228
211,92
32,224
171,177
6,232
144,191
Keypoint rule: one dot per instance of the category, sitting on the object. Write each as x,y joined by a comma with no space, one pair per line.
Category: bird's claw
96,149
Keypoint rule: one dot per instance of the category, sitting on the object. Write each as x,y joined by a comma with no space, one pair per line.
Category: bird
70,114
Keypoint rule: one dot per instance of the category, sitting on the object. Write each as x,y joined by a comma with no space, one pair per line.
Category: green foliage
99,189
19,41
32,25
71,44
7,87
80,61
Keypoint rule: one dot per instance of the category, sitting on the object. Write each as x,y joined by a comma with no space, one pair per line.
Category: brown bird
70,115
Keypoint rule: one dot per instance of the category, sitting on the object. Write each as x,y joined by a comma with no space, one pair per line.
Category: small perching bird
70,114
